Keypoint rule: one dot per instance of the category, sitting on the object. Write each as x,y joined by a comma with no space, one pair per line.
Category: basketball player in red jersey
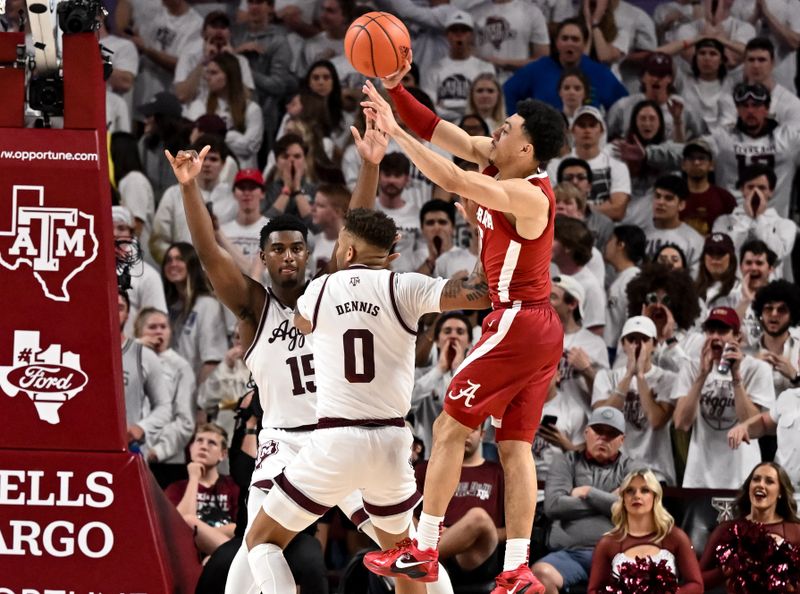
507,374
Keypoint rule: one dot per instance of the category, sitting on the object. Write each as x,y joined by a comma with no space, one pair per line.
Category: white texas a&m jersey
365,323
282,365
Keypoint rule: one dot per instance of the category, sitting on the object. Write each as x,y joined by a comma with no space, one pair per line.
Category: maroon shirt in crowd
216,505
479,486
703,209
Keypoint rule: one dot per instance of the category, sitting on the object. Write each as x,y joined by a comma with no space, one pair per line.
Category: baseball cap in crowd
723,315
658,64
608,415
639,325
573,287
211,123
251,175
121,214
592,111
697,145
710,42
719,244
755,92
164,104
459,18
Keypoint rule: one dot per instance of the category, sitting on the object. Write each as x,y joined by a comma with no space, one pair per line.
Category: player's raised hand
377,109
186,165
396,78
372,146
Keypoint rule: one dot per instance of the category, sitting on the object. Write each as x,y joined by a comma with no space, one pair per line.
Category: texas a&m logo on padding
48,376
55,244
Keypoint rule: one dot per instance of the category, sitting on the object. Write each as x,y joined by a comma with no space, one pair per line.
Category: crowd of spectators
673,261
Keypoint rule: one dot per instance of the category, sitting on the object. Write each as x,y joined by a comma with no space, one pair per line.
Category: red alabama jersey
517,269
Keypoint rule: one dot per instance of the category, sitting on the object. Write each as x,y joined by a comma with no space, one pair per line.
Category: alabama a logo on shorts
466,393
54,243
48,376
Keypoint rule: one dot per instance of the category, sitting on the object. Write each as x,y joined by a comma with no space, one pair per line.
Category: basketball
377,44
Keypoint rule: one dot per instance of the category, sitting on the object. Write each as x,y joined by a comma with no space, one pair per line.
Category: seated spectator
644,528
539,79
705,201
334,16
164,129
580,490
766,498
322,80
756,139
148,407
445,259
571,203
584,351
758,68
196,318
777,309
645,134
207,500
671,256
624,252
575,92
448,82
757,219
711,397
641,390
474,522
452,336
579,173
135,191
572,251
716,276
169,222
241,236
486,100
733,32
706,90
669,198
561,428
229,99
166,451
657,79
190,81
288,187
611,182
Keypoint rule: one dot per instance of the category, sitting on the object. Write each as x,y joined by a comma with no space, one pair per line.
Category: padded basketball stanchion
78,512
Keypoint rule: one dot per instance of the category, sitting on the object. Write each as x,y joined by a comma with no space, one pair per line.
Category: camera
46,94
78,16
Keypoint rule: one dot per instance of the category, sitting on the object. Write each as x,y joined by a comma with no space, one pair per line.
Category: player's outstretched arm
431,127
471,292
236,291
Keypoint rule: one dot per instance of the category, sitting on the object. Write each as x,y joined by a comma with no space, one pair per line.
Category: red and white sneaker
519,581
405,560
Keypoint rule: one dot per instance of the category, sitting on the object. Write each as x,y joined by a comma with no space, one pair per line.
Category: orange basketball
377,44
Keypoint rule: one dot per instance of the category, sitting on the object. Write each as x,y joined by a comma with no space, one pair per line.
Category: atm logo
54,243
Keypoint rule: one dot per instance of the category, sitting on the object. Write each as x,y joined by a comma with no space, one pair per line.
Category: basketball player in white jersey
363,320
279,357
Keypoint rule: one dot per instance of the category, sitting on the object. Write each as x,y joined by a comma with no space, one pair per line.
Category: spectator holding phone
641,390
561,429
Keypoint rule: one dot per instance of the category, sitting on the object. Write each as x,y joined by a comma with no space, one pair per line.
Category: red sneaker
405,560
519,581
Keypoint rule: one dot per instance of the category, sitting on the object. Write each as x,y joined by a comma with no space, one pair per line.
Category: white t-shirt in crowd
456,259
617,306
245,237
570,420
448,84
786,413
572,384
412,248
594,305
684,236
609,176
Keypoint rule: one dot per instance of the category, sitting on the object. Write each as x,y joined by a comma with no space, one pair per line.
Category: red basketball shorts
507,373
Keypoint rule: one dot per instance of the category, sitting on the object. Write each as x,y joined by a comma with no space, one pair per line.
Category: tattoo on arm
473,288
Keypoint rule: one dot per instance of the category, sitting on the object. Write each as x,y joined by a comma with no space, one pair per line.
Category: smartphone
549,420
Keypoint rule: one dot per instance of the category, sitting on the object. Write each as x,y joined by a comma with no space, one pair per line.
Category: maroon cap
724,315
719,243
211,123
658,64
251,175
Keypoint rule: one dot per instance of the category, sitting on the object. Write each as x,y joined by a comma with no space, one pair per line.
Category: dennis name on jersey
358,307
